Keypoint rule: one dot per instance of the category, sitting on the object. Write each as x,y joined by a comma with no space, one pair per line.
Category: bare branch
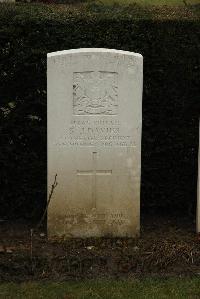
55,183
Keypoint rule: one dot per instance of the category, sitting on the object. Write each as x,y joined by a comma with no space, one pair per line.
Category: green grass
105,289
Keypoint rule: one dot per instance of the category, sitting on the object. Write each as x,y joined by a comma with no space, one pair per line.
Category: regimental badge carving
95,93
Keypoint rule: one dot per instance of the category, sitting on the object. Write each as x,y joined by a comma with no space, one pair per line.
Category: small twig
41,220
48,202
184,1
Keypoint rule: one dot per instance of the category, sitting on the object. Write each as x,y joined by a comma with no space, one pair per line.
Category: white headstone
94,142
198,190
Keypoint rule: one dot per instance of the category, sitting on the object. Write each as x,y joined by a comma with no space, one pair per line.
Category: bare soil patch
167,247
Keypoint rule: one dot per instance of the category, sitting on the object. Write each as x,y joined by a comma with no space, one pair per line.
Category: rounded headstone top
93,50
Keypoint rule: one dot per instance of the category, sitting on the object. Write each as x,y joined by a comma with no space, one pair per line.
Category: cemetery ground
168,247
164,262
149,2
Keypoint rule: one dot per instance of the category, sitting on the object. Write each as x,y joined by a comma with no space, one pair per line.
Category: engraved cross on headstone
94,173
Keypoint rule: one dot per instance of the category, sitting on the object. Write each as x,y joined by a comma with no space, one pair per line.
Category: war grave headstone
94,142
198,190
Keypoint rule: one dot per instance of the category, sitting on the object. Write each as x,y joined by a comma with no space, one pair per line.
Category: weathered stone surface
94,142
198,190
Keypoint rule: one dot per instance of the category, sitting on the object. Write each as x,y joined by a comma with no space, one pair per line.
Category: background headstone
94,142
198,189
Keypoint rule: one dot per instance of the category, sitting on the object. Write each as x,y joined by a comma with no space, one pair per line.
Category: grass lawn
105,289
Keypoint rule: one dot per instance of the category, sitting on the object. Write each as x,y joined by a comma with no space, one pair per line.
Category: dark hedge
170,47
